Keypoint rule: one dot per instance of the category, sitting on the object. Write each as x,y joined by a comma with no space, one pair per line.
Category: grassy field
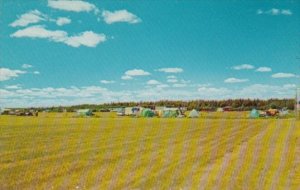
216,151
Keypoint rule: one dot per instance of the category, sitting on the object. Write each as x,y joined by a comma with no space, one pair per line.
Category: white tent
220,109
194,114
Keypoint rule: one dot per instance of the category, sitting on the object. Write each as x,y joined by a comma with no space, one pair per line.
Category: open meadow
215,151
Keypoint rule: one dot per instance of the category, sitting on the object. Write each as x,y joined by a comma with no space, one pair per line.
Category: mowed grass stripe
195,157
149,162
239,161
128,174
293,179
227,156
279,173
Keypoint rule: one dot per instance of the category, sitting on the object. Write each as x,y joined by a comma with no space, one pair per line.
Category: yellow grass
216,151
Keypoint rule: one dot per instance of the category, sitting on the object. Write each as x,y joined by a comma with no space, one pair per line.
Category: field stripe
196,164
283,159
132,168
240,152
228,155
108,155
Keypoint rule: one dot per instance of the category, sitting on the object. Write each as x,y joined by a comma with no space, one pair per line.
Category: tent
147,113
84,112
254,114
283,112
170,113
194,114
220,109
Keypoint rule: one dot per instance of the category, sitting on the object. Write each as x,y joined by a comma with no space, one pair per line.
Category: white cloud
39,31
171,70
87,38
235,80
50,96
107,81
264,69
289,86
6,74
120,16
17,86
36,72
185,81
30,17
26,66
243,67
63,21
171,77
284,75
74,5
275,12
136,72
162,86
286,12
172,80
153,82
179,85
265,91
126,77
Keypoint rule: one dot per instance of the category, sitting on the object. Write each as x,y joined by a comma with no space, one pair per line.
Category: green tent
254,114
84,112
170,113
194,114
147,113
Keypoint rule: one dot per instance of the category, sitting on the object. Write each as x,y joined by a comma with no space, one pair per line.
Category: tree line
201,105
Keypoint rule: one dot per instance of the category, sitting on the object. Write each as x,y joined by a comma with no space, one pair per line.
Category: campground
218,150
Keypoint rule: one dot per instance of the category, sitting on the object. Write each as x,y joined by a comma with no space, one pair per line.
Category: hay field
216,151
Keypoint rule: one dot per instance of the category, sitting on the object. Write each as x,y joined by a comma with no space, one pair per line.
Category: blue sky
71,52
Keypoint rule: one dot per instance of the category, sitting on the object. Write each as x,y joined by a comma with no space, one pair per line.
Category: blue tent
254,114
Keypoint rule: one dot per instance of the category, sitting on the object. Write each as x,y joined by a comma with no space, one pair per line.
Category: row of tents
159,111
269,113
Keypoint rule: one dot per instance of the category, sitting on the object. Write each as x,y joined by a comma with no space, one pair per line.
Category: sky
64,52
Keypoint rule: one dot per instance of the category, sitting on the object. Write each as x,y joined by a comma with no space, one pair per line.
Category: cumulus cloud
171,77
264,69
172,80
126,77
30,17
171,70
63,21
265,91
235,80
120,16
26,66
243,67
50,96
179,85
153,82
74,5
275,12
107,81
136,72
87,38
284,75
17,86
6,74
